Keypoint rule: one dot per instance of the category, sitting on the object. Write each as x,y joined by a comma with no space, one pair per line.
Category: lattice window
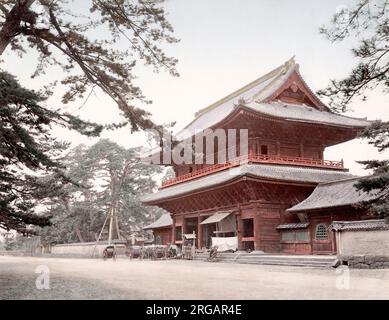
302,235
288,236
321,232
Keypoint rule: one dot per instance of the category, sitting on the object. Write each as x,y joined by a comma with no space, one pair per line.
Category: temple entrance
208,233
220,229
248,228
248,234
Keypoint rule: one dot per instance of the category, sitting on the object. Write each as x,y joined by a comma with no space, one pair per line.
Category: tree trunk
78,232
11,25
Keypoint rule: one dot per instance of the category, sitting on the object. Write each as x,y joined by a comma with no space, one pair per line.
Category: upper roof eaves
254,96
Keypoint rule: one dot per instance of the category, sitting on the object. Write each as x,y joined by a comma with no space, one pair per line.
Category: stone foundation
365,261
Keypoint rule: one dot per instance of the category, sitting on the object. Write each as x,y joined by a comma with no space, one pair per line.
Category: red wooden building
255,197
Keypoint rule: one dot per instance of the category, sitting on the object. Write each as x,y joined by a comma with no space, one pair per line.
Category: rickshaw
213,254
109,252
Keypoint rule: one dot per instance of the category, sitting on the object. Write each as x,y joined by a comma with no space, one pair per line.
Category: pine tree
61,34
107,175
369,19
30,169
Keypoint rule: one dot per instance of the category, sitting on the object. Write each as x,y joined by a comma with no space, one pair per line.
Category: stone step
264,257
261,259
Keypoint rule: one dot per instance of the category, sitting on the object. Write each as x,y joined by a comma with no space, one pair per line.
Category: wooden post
110,227
117,225
322,153
239,231
199,233
173,238
183,228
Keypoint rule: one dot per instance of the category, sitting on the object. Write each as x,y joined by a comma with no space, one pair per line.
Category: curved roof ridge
311,91
289,67
281,70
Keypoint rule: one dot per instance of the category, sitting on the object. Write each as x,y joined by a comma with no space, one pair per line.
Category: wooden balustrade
255,158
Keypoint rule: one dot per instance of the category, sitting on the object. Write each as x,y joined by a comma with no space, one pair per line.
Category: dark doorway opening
178,233
191,225
248,245
248,228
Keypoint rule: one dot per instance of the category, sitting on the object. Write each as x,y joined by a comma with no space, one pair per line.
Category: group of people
160,252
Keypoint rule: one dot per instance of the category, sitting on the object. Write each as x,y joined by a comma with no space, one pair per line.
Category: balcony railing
256,158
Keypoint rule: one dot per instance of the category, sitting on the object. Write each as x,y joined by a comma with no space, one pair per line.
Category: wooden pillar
173,237
199,233
239,230
278,148
183,228
333,241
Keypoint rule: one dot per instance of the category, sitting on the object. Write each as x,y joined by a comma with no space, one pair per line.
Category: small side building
331,208
162,229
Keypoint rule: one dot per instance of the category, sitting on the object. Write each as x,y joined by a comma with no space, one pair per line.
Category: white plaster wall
84,249
364,242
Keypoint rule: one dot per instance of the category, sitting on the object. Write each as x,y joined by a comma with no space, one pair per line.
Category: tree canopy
369,20
30,168
85,43
97,45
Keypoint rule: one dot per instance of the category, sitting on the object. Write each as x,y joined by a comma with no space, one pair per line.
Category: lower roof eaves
335,194
295,174
164,221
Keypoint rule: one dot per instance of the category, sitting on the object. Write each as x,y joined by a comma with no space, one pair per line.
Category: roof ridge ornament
288,64
242,101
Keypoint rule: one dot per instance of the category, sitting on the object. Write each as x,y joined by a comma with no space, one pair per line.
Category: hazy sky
224,45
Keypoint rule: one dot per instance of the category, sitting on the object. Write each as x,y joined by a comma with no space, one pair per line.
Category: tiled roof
363,225
254,95
303,113
300,225
265,171
334,194
164,221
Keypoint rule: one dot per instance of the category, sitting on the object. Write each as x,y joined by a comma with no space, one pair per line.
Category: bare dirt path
134,279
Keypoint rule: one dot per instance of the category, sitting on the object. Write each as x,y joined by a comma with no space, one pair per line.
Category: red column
199,233
183,225
301,150
173,237
239,223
